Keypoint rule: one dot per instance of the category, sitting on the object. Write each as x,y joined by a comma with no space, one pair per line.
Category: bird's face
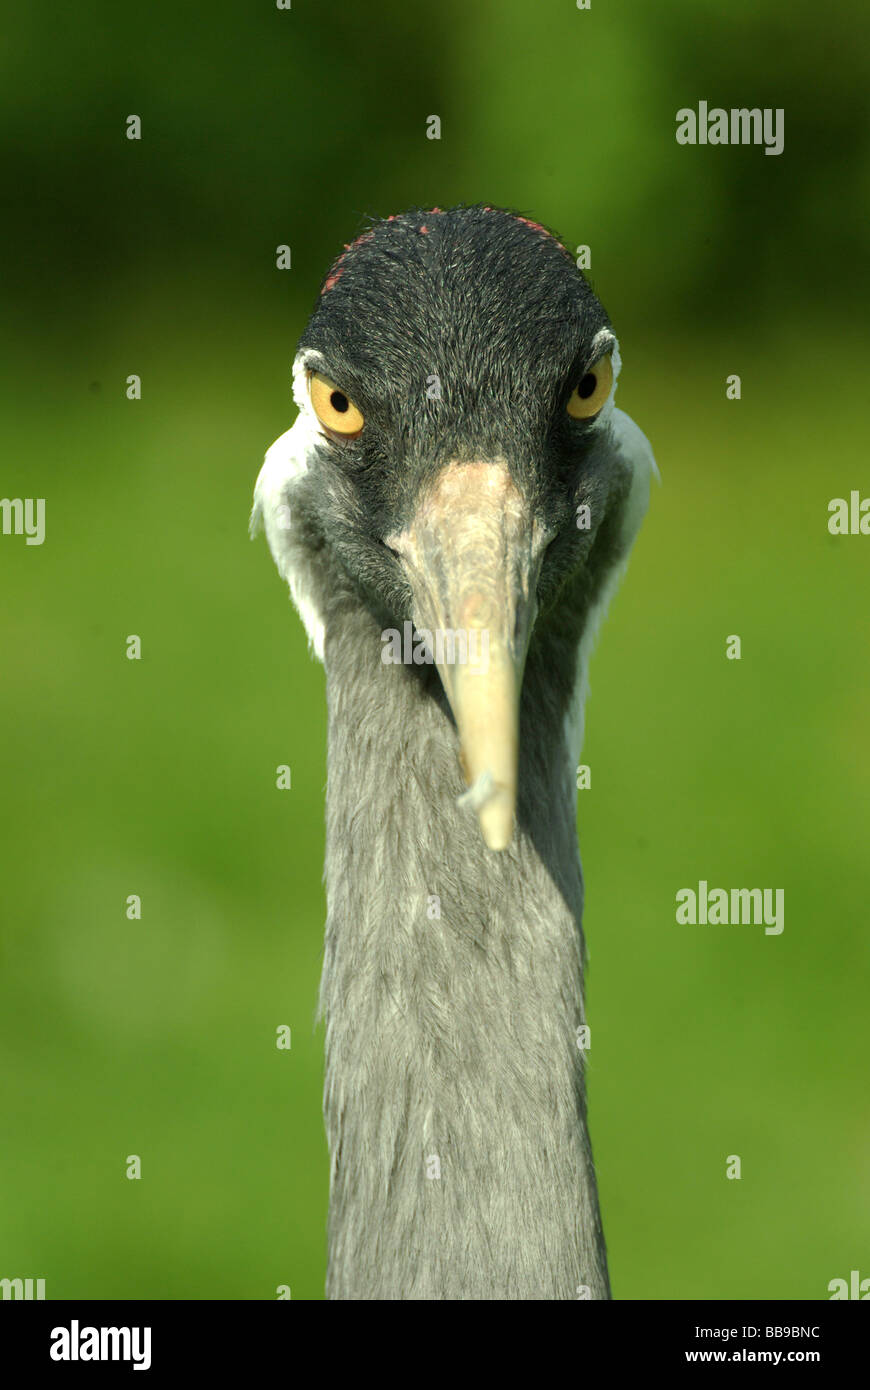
457,378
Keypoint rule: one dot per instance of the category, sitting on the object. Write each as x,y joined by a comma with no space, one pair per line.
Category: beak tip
497,846
497,825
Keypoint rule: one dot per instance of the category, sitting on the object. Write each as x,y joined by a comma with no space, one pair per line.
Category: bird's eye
335,411
591,391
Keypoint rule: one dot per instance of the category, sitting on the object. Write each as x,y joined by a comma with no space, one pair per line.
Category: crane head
459,451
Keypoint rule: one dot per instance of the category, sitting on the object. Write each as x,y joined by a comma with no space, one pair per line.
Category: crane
458,468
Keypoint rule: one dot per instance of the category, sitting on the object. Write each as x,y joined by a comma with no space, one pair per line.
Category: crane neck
452,995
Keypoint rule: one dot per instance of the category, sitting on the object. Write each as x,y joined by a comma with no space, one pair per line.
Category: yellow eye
591,391
335,411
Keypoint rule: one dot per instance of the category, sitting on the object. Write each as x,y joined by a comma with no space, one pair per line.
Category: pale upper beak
472,553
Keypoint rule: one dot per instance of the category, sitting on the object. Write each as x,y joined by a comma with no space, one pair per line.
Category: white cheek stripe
286,462
636,450
305,360
606,339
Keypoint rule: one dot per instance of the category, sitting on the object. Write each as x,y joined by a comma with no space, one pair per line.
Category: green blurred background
263,127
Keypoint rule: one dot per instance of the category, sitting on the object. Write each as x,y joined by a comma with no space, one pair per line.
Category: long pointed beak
472,554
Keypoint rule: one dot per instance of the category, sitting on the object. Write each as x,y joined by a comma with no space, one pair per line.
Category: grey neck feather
454,1095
